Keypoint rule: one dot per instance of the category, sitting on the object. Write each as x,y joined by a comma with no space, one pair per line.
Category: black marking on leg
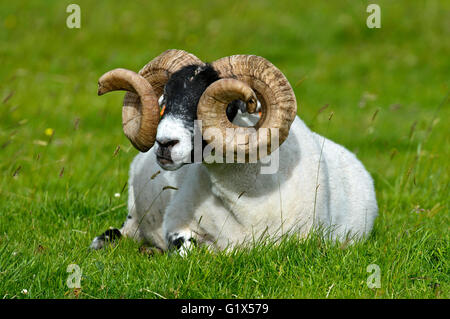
175,240
193,241
178,242
107,237
110,235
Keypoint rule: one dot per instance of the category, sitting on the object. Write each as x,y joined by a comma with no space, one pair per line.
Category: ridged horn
140,111
245,77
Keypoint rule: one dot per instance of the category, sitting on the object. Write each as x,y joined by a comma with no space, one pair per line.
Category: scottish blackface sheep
270,176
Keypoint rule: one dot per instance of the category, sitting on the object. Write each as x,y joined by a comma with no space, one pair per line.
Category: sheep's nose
167,143
165,148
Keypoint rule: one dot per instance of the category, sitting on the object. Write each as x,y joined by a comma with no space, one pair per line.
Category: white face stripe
171,128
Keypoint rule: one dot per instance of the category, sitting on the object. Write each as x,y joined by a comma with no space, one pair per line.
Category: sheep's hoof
108,237
181,242
150,251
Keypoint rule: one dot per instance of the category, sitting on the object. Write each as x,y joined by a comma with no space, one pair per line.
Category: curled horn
140,111
247,77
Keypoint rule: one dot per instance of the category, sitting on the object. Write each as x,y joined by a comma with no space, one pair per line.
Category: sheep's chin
172,166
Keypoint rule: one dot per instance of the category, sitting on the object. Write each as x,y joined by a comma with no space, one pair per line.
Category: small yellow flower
49,131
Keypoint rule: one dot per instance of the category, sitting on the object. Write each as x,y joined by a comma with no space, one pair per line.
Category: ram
177,199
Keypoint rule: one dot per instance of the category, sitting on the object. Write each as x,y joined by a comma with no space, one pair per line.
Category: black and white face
175,134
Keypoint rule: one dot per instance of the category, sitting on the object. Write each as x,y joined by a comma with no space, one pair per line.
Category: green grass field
60,164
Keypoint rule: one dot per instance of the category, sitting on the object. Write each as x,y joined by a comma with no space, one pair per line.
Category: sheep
176,201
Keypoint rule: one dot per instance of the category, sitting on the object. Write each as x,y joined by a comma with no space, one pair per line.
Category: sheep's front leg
128,229
181,226
196,216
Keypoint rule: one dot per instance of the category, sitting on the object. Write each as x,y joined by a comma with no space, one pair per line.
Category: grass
64,156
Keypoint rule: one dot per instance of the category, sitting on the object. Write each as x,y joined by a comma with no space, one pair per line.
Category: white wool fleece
223,205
